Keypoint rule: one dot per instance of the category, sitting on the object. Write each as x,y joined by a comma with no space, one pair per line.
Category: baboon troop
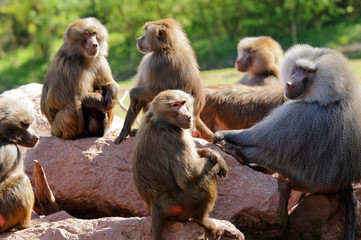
297,114
16,193
174,178
79,92
314,139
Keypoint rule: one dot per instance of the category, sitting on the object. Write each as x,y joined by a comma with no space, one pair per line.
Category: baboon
260,57
238,106
16,193
79,92
169,63
175,179
315,138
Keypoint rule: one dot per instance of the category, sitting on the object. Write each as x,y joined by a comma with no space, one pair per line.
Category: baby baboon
260,57
169,63
315,138
16,193
174,178
79,92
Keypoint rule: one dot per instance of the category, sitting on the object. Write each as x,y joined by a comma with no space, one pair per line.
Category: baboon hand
218,136
232,149
223,168
216,158
212,155
123,135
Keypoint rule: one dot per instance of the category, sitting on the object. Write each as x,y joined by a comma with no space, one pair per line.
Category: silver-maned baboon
169,63
175,179
16,193
315,138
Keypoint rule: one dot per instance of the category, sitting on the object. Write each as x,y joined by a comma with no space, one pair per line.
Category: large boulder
63,226
92,177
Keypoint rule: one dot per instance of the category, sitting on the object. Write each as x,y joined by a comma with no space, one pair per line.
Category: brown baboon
79,92
315,138
169,63
174,178
260,57
16,193
238,106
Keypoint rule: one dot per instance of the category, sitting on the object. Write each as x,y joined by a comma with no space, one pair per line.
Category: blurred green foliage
31,30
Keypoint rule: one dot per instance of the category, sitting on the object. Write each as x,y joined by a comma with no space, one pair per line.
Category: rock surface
92,177
63,226
319,216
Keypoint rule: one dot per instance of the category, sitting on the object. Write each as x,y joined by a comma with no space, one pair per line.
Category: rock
63,226
92,178
319,216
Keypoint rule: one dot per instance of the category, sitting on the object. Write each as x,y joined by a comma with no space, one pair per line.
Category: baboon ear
162,35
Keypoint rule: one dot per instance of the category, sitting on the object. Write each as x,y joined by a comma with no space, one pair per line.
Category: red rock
63,226
92,177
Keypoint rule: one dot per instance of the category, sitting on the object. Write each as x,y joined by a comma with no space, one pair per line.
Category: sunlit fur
266,60
73,36
72,76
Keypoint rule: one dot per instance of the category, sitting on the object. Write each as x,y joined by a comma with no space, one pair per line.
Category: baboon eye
25,125
249,50
179,104
175,104
308,70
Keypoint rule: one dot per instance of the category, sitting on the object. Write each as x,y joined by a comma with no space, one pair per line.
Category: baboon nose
289,85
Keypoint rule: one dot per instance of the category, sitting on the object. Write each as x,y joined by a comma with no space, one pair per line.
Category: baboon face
90,44
175,108
300,81
89,35
244,60
153,39
15,123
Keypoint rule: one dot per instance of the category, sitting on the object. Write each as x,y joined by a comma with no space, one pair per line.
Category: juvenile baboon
315,138
169,63
79,92
16,193
238,106
260,57
175,179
